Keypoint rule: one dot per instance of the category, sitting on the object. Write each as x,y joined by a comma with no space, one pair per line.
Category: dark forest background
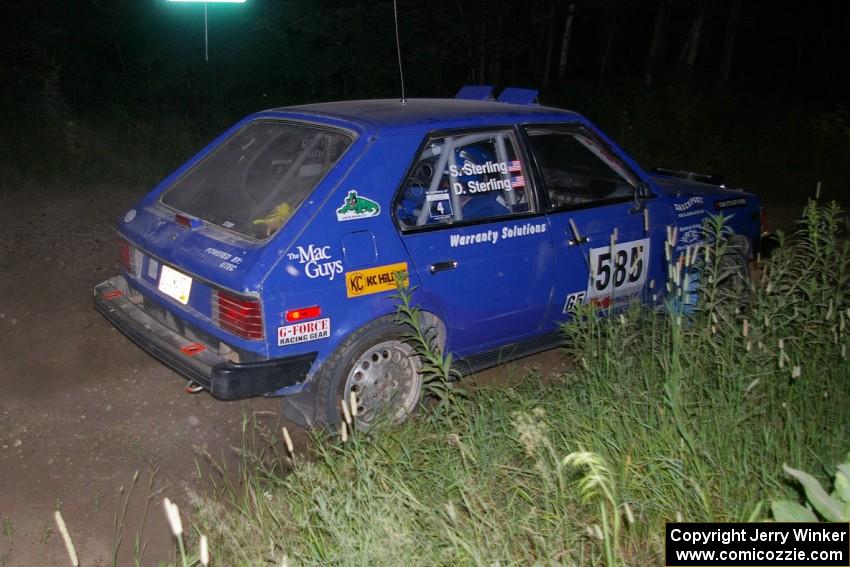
118,91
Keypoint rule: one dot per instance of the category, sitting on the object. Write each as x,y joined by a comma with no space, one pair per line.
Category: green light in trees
206,33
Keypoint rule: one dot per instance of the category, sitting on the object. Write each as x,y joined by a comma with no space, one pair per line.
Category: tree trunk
470,52
827,62
798,56
691,48
482,52
729,41
608,44
655,45
565,42
499,61
550,40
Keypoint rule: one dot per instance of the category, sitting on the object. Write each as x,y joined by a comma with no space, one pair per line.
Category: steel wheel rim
385,380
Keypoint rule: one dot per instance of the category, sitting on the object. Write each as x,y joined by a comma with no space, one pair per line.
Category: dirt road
81,408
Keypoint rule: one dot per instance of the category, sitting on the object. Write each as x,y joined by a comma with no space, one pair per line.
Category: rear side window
577,169
255,179
466,177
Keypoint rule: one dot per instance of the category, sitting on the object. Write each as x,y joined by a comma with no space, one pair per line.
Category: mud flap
300,408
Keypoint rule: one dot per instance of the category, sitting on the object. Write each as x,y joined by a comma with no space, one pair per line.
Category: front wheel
734,273
380,368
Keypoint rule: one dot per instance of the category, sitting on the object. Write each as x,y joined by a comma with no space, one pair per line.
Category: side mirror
641,195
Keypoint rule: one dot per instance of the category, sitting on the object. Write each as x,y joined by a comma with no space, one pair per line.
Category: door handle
442,266
577,238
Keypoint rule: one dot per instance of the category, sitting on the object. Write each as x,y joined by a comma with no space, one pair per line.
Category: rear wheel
380,368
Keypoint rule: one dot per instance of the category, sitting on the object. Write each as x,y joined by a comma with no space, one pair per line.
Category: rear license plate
175,285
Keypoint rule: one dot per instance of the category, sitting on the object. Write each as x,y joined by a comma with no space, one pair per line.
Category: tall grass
663,417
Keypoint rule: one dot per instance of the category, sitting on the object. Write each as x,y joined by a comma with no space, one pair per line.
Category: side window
577,169
465,177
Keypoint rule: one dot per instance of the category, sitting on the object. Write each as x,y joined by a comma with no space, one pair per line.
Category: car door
481,248
607,242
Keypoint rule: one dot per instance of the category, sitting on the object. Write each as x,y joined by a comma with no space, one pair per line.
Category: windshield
253,181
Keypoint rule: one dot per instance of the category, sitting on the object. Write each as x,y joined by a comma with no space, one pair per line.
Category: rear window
255,179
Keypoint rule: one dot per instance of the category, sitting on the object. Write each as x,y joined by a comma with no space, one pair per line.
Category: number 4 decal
440,205
619,270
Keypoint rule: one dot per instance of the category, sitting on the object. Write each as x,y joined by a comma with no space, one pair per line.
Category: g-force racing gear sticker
303,332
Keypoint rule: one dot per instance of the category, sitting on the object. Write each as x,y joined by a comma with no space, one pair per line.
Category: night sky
131,76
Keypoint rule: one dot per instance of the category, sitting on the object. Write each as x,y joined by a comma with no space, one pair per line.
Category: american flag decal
514,166
518,181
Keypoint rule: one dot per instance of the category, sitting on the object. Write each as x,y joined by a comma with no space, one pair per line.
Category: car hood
676,187
688,195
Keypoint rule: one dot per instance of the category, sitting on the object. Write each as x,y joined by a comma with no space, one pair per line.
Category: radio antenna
398,50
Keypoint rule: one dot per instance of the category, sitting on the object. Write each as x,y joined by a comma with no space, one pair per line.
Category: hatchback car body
266,264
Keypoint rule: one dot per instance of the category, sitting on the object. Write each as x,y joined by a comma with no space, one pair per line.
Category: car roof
429,113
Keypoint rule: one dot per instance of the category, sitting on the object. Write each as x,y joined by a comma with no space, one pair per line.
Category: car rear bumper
223,378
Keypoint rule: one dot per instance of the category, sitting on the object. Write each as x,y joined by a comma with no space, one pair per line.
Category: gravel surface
81,408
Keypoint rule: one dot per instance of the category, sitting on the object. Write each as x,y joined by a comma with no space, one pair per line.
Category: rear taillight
303,313
763,220
124,254
238,315
128,256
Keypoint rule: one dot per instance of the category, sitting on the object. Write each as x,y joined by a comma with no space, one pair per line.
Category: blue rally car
265,265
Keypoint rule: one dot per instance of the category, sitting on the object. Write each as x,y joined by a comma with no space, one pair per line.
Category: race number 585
618,270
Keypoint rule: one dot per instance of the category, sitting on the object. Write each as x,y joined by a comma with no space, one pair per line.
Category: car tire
735,285
735,266
380,367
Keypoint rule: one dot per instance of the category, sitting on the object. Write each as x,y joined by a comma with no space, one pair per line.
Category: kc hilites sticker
374,280
303,332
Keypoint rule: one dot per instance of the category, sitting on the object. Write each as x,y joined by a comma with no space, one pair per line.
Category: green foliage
834,507
8,527
439,379
596,484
